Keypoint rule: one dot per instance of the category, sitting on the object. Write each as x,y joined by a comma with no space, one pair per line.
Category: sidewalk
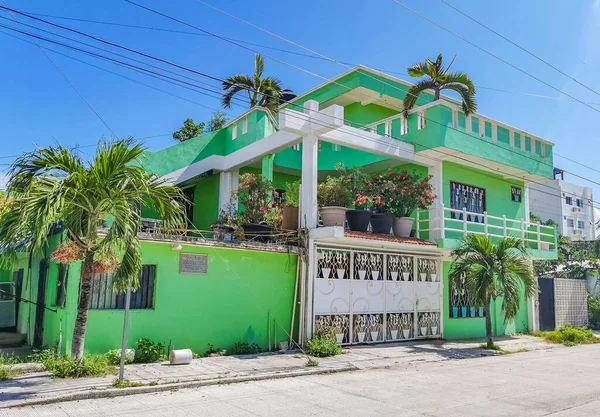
40,388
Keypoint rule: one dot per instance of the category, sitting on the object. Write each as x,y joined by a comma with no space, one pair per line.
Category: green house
362,287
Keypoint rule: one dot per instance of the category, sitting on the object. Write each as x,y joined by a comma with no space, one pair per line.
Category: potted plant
225,226
354,180
408,194
379,187
255,194
292,204
333,200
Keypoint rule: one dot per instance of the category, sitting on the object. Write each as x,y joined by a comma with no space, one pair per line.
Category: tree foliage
439,78
189,130
491,270
55,186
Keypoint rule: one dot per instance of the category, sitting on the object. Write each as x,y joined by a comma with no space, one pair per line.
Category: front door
546,299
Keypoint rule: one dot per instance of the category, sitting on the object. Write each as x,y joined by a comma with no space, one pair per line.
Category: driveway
557,382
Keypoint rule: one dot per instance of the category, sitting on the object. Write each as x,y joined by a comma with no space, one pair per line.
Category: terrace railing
447,223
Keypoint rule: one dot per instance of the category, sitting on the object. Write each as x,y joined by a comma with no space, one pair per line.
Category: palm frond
469,104
234,85
413,94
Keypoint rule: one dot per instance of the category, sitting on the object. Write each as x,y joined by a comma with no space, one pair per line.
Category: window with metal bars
102,297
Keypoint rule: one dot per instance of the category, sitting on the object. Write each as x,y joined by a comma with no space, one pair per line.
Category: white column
228,182
527,203
469,124
308,198
512,138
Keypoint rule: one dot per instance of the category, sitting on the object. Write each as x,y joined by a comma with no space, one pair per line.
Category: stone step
12,339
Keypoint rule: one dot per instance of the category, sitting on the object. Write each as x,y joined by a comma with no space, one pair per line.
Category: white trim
245,125
234,130
248,112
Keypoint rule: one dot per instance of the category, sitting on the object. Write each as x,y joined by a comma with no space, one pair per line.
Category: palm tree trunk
87,270
436,97
488,325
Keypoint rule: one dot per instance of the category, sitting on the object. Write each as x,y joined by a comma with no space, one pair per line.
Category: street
560,382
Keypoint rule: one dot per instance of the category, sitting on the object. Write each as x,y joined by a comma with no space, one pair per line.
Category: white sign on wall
193,263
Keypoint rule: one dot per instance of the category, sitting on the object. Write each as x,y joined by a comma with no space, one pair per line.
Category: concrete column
228,182
267,166
308,193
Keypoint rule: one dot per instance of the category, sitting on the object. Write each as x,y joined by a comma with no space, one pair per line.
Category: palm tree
438,79
264,92
492,270
54,184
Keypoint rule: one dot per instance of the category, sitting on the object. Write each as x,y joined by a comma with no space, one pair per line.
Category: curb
121,392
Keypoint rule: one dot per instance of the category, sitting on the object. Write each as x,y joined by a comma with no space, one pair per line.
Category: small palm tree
492,270
264,92
438,79
54,185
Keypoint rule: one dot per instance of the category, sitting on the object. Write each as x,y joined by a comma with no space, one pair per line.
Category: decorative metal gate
363,296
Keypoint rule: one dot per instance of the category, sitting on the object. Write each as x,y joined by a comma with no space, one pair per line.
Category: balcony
447,226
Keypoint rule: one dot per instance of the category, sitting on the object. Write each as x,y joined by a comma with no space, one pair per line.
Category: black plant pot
258,232
381,223
358,220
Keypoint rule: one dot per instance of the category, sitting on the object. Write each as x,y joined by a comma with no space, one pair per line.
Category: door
546,300
8,318
365,296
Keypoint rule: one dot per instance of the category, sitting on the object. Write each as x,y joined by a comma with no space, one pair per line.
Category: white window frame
569,201
234,132
244,125
570,223
580,224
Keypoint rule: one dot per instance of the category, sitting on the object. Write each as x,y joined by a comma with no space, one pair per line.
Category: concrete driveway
558,382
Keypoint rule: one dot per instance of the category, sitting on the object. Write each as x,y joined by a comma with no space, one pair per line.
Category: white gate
363,296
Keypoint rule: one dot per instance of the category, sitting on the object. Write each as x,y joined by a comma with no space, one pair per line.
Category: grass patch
113,357
243,348
6,373
312,362
323,346
92,365
494,347
569,336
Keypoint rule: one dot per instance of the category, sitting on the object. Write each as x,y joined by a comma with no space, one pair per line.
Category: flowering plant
255,193
409,192
67,252
354,180
377,193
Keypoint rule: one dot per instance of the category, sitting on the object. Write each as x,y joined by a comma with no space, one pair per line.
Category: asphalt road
562,382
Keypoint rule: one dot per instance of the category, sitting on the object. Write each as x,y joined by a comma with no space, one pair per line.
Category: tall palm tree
54,184
438,79
264,92
491,270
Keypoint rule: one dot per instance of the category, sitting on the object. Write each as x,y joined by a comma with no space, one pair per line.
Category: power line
322,56
290,103
519,46
433,22
65,77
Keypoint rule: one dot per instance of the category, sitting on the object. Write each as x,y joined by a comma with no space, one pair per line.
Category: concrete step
12,339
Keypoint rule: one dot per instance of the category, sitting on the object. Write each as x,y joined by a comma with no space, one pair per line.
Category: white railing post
523,231
454,118
464,211
539,236
485,223
504,225
417,233
442,221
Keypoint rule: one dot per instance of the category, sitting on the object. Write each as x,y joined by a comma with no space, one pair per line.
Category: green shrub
147,351
243,348
114,357
6,372
570,336
67,367
323,346
42,356
594,311
6,359
211,351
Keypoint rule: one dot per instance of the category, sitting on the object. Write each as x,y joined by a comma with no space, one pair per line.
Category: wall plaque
193,263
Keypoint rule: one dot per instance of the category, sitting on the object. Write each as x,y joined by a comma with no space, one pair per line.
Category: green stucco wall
206,202
243,293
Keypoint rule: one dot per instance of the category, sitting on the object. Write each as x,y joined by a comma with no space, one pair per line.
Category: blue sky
39,107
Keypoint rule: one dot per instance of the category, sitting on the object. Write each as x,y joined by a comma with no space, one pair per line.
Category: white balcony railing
447,223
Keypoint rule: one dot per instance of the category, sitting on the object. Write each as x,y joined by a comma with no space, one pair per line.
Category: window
570,223
61,285
579,202
569,200
102,297
234,131
580,224
468,197
244,125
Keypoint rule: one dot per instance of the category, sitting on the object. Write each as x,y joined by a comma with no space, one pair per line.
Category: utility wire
518,46
290,103
320,55
433,22
65,76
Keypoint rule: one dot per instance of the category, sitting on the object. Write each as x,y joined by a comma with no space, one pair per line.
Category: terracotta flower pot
290,218
381,223
358,220
333,216
402,226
